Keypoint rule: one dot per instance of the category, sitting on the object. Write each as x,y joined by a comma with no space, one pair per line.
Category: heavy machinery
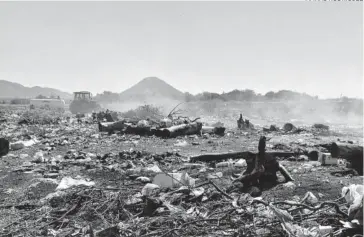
83,103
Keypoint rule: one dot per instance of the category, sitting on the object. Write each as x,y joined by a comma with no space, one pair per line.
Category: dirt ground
15,180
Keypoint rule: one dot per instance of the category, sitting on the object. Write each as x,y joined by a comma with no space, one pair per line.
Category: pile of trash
166,128
150,199
72,191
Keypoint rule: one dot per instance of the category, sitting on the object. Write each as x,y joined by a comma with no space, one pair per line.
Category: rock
4,147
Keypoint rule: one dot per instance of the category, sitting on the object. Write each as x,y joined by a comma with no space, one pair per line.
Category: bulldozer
83,103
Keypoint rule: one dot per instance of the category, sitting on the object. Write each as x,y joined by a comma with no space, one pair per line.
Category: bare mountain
15,90
151,88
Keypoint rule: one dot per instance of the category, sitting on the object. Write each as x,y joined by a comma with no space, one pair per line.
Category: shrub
144,112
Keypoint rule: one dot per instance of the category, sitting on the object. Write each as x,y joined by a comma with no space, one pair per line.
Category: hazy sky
313,47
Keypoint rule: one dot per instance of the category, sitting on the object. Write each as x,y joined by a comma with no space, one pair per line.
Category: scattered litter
23,156
197,192
240,163
298,231
326,159
39,157
148,189
41,187
68,182
310,198
141,189
173,180
354,197
21,144
217,175
325,230
181,143
225,164
143,179
153,168
289,185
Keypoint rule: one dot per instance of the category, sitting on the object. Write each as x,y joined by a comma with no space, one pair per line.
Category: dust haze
337,113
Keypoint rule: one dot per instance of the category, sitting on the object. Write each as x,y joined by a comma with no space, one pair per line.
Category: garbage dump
63,175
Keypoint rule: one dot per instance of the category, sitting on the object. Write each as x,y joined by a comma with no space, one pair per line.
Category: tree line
248,95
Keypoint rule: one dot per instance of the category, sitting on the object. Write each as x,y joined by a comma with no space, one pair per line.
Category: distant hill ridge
151,87
15,90
154,88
